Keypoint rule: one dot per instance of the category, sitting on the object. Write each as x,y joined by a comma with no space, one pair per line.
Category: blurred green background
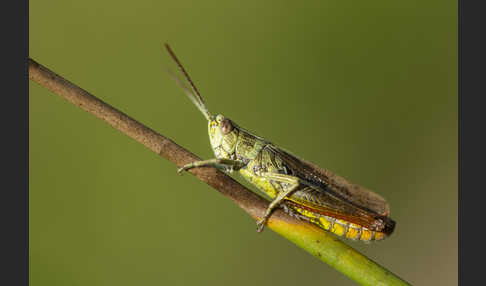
365,89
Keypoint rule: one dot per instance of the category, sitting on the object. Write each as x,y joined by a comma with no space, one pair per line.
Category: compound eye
226,126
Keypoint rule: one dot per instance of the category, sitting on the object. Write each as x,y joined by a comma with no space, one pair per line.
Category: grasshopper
301,188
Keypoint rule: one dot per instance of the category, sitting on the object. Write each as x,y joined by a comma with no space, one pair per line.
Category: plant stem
314,240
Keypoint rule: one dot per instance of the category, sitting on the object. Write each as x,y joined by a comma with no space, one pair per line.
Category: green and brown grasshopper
301,188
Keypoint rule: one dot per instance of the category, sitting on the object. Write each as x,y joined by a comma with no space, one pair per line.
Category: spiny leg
282,178
224,164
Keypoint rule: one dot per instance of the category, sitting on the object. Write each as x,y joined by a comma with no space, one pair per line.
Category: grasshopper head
222,135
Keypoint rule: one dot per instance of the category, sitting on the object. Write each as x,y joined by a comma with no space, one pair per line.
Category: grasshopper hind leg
282,178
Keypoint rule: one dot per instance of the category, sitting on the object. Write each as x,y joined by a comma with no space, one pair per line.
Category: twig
316,241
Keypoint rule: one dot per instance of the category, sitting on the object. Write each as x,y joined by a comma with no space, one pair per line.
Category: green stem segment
314,240
328,248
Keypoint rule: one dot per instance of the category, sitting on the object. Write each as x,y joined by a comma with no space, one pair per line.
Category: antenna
186,75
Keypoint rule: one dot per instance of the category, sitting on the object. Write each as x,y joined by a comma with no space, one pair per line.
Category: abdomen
337,226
